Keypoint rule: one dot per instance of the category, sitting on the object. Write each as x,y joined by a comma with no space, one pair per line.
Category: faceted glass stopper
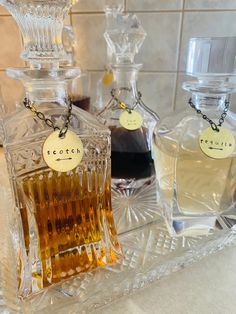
125,38
68,41
213,56
212,61
41,24
113,6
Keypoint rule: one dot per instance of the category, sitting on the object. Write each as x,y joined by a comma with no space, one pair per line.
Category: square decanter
64,219
195,149
59,163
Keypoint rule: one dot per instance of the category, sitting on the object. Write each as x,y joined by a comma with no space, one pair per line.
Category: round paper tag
131,120
217,144
63,154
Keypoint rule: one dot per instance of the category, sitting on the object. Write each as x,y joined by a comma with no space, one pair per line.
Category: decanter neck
46,92
208,103
45,85
125,82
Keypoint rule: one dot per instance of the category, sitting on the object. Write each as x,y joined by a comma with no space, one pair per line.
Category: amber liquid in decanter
66,214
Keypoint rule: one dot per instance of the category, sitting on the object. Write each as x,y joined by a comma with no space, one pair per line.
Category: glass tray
149,254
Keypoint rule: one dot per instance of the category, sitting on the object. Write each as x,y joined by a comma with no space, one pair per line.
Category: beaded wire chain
31,106
214,126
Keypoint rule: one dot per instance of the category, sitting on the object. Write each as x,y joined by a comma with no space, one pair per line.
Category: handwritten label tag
131,120
63,154
217,145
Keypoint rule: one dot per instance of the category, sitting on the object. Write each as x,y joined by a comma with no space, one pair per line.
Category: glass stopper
41,24
213,56
125,38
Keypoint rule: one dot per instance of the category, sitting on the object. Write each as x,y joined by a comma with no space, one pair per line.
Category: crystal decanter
132,124
63,219
195,149
104,85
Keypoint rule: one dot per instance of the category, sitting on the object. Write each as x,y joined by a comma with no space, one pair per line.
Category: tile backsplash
169,25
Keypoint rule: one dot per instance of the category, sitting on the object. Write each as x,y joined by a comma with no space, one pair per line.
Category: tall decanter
58,160
104,85
132,124
195,149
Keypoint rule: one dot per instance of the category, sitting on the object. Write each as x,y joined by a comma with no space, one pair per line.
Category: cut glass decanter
198,187
63,221
133,174
106,82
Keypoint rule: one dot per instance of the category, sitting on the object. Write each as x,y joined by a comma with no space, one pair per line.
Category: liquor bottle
132,125
104,85
195,148
59,162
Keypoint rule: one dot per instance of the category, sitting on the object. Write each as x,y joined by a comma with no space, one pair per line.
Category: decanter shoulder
23,124
111,113
147,112
183,130
175,122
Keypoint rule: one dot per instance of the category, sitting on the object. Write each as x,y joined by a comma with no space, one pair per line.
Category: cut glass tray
149,254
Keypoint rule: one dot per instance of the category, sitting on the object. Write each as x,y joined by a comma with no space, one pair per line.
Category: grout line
209,10
125,5
148,12
157,71
156,11
71,18
144,71
86,13
178,59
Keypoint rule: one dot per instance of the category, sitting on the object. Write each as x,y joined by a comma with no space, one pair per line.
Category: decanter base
149,254
134,207
203,224
68,264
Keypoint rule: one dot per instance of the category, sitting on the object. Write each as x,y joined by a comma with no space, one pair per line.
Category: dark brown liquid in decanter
131,156
82,102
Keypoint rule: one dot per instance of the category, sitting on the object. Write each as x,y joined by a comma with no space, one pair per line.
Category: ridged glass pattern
63,222
41,24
